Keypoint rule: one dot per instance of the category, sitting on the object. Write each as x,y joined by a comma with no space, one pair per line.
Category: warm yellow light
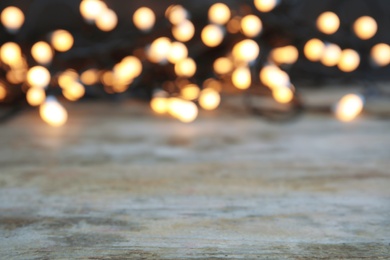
273,77
184,31
209,99
159,105
349,60
89,77
3,92
177,52
74,91
314,49
331,55
91,9
212,35
107,78
127,70
176,14
42,53
35,96
219,13
38,77
241,78
53,112
185,68
265,5
144,18
285,55
234,25
10,53
190,92
107,21
213,84
185,111
159,49
67,77
12,18
365,27
380,54
283,95
223,65
349,107
251,26
62,40
328,23
246,51
15,76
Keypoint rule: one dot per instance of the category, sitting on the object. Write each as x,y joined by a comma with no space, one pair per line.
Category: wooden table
118,183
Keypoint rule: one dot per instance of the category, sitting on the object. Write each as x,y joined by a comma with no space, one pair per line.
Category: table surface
119,183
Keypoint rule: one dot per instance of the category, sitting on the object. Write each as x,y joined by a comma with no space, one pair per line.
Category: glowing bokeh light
365,27
38,77
12,18
349,107
62,40
212,35
144,18
328,23
42,53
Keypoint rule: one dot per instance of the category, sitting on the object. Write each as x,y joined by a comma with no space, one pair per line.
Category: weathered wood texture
118,184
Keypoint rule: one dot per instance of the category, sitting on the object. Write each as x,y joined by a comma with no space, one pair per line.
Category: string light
314,49
159,104
159,49
219,13
246,51
74,91
144,18
177,52
176,14
237,66
328,23
380,54
190,92
42,53
62,40
107,20
89,77
273,77
91,9
349,60
209,99
285,55
185,68
35,96
251,26
265,5
53,113
349,107
212,35
283,95
12,18
184,31
185,111
241,78
365,27
331,55
38,77
223,65
10,53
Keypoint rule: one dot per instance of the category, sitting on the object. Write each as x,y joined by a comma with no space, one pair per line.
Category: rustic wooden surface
118,184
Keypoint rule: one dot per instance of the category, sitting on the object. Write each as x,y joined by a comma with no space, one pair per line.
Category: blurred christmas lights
238,33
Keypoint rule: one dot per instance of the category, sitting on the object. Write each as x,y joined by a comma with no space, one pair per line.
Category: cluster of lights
235,68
